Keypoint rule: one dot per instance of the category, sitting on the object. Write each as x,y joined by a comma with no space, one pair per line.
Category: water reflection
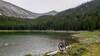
19,44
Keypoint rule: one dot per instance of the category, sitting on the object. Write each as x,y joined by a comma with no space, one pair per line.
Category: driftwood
55,52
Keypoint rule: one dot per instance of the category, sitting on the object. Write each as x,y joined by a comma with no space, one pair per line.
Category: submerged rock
6,44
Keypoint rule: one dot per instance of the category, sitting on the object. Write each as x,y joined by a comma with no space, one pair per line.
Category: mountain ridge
53,13
9,9
84,8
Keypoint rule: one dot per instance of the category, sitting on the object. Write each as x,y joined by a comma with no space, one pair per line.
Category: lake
37,43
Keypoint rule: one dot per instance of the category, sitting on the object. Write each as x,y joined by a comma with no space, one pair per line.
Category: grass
93,50
89,45
77,50
28,55
88,37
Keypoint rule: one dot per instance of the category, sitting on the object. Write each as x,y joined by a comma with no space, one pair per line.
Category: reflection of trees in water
67,37
60,36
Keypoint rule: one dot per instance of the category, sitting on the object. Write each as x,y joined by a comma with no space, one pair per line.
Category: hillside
86,8
9,9
83,17
53,13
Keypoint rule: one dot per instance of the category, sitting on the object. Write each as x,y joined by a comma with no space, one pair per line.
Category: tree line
78,21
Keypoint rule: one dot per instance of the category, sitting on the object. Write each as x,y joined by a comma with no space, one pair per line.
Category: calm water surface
19,44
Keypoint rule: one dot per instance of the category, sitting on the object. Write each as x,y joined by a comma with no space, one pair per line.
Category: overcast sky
42,6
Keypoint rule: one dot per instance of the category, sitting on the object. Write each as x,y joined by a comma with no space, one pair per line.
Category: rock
6,44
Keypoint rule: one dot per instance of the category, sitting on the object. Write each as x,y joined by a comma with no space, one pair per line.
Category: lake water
19,44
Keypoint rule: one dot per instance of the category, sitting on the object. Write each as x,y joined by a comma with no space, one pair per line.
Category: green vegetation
89,45
86,22
28,55
83,17
89,37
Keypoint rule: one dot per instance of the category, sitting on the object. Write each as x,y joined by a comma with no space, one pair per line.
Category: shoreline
89,41
59,31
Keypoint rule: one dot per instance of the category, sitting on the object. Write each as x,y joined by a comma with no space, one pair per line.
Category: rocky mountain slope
9,9
53,13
